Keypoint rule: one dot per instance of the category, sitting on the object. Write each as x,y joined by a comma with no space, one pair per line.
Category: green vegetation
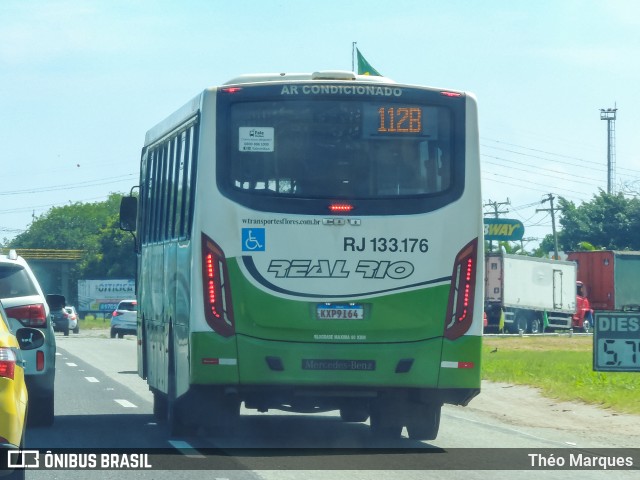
561,366
608,221
108,252
90,322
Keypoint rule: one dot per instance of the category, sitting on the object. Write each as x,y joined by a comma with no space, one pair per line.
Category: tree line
90,227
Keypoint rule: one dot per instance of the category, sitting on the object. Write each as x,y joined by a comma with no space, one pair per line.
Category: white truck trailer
525,289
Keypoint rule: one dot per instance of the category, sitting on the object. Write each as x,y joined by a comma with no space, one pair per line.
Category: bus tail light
218,310
29,315
341,207
450,94
7,363
461,296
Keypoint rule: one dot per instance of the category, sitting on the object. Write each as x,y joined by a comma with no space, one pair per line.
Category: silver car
27,306
124,319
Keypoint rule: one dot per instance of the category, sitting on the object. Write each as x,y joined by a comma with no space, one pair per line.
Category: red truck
612,278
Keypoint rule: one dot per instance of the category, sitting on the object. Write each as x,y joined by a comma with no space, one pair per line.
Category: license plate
339,312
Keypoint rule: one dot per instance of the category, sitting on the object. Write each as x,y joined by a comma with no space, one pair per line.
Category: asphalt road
101,403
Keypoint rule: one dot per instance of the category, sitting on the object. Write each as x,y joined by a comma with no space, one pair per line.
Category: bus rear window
339,149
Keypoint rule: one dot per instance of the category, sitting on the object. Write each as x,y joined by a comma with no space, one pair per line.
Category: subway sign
503,229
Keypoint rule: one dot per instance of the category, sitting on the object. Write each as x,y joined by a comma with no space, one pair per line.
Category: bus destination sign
616,342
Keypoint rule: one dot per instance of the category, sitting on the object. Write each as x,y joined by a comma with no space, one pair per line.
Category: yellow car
13,390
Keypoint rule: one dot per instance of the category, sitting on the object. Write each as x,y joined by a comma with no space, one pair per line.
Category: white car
124,319
72,315
27,306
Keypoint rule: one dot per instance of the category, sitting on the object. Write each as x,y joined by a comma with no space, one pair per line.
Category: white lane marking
71,364
92,379
125,403
186,449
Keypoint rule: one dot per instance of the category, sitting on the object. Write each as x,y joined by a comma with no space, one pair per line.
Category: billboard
103,295
503,229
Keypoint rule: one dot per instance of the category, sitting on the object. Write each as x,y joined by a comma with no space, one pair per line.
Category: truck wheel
520,323
535,325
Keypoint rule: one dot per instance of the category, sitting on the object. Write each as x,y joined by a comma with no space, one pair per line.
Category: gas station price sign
616,342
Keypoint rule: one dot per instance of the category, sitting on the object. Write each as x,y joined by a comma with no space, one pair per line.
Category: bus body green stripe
400,317
360,365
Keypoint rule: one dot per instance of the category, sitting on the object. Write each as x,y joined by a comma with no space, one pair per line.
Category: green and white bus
309,243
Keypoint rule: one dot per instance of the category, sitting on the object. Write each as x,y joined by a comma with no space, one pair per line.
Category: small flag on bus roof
364,67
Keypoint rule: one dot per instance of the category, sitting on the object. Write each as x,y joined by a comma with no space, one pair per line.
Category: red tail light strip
218,309
340,207
461,296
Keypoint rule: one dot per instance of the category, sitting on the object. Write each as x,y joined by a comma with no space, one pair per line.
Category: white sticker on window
256,139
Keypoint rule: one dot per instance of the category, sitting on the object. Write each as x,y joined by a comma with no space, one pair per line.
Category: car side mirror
128,213
30,338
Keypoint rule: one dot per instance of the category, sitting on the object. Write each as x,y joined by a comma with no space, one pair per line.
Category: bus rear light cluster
462,294
218,310
29,315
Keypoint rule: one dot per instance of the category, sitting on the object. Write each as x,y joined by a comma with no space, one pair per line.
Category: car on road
26,306
13,388
124,319
74,319
60,321
65,320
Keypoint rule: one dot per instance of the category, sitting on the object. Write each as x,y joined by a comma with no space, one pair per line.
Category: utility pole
496,213
610,116
552,210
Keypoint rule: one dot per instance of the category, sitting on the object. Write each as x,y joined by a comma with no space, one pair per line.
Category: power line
569,174
581,160
73,186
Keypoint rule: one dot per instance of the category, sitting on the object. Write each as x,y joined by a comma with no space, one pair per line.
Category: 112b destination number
386,244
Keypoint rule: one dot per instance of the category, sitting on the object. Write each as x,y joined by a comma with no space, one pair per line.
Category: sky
82,81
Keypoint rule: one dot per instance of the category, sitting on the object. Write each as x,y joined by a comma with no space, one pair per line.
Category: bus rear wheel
425,425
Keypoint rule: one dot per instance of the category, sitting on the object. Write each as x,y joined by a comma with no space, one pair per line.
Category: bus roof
343,75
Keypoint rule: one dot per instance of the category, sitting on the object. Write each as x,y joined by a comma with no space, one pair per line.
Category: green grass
562,367
90,322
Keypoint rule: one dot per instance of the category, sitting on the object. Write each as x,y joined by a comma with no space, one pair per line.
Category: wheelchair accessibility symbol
253,240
